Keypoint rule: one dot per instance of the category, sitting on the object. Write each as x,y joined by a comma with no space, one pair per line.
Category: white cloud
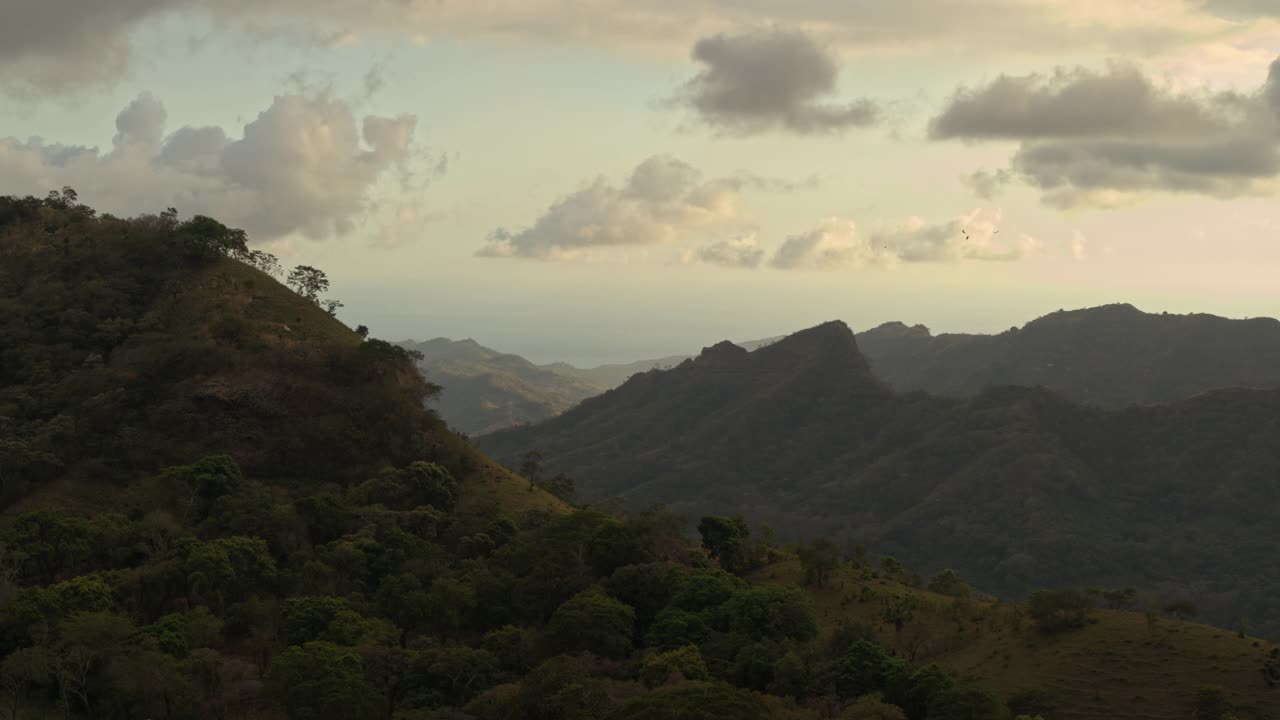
837,243
305,165
664,201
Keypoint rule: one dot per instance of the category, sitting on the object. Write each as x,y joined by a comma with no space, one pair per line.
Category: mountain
1111,356
130,345
220,502
612,375
1017,488
485,390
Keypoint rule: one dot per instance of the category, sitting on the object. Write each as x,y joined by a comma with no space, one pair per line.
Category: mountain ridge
1011,486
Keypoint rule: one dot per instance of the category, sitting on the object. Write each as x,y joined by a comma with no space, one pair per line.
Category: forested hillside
222,503
1017,488
1111,356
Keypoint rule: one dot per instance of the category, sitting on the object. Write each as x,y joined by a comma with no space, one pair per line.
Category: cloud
834,244
1079,103
741,252
302,166
837,244
769,79
986,184
1107,138
58,46
664,201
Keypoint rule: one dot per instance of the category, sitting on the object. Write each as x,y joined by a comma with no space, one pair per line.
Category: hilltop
1112,356
1017,488
131,345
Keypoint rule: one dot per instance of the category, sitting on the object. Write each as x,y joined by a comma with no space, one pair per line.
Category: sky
611,180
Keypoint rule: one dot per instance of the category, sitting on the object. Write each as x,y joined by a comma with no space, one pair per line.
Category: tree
308,282
531,466
700,701
774,612
594,622
321,681
685,662
900,610
948,582
727,540
819,560
362,331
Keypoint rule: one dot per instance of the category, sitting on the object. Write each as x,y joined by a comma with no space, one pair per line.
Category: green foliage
772,612
321,681
693,702
594,622
863,668
820,558
948,582
684,662
728,540
421,483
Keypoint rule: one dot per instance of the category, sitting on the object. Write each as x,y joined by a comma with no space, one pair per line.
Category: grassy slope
1118,667
275,323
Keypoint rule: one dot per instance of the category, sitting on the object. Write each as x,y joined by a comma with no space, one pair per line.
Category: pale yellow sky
748,125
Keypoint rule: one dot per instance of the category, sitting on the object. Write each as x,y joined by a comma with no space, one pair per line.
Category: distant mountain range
487,390
1014,487
1112,356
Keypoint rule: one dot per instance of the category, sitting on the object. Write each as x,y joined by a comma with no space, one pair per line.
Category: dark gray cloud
1078,103
57,46
1242,9
770,79
1104,137
303,166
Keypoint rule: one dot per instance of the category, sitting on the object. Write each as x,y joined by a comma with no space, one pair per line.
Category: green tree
775,612
594,622
686,662
727,539
819,559
321,681
699,701
948,582
309,282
